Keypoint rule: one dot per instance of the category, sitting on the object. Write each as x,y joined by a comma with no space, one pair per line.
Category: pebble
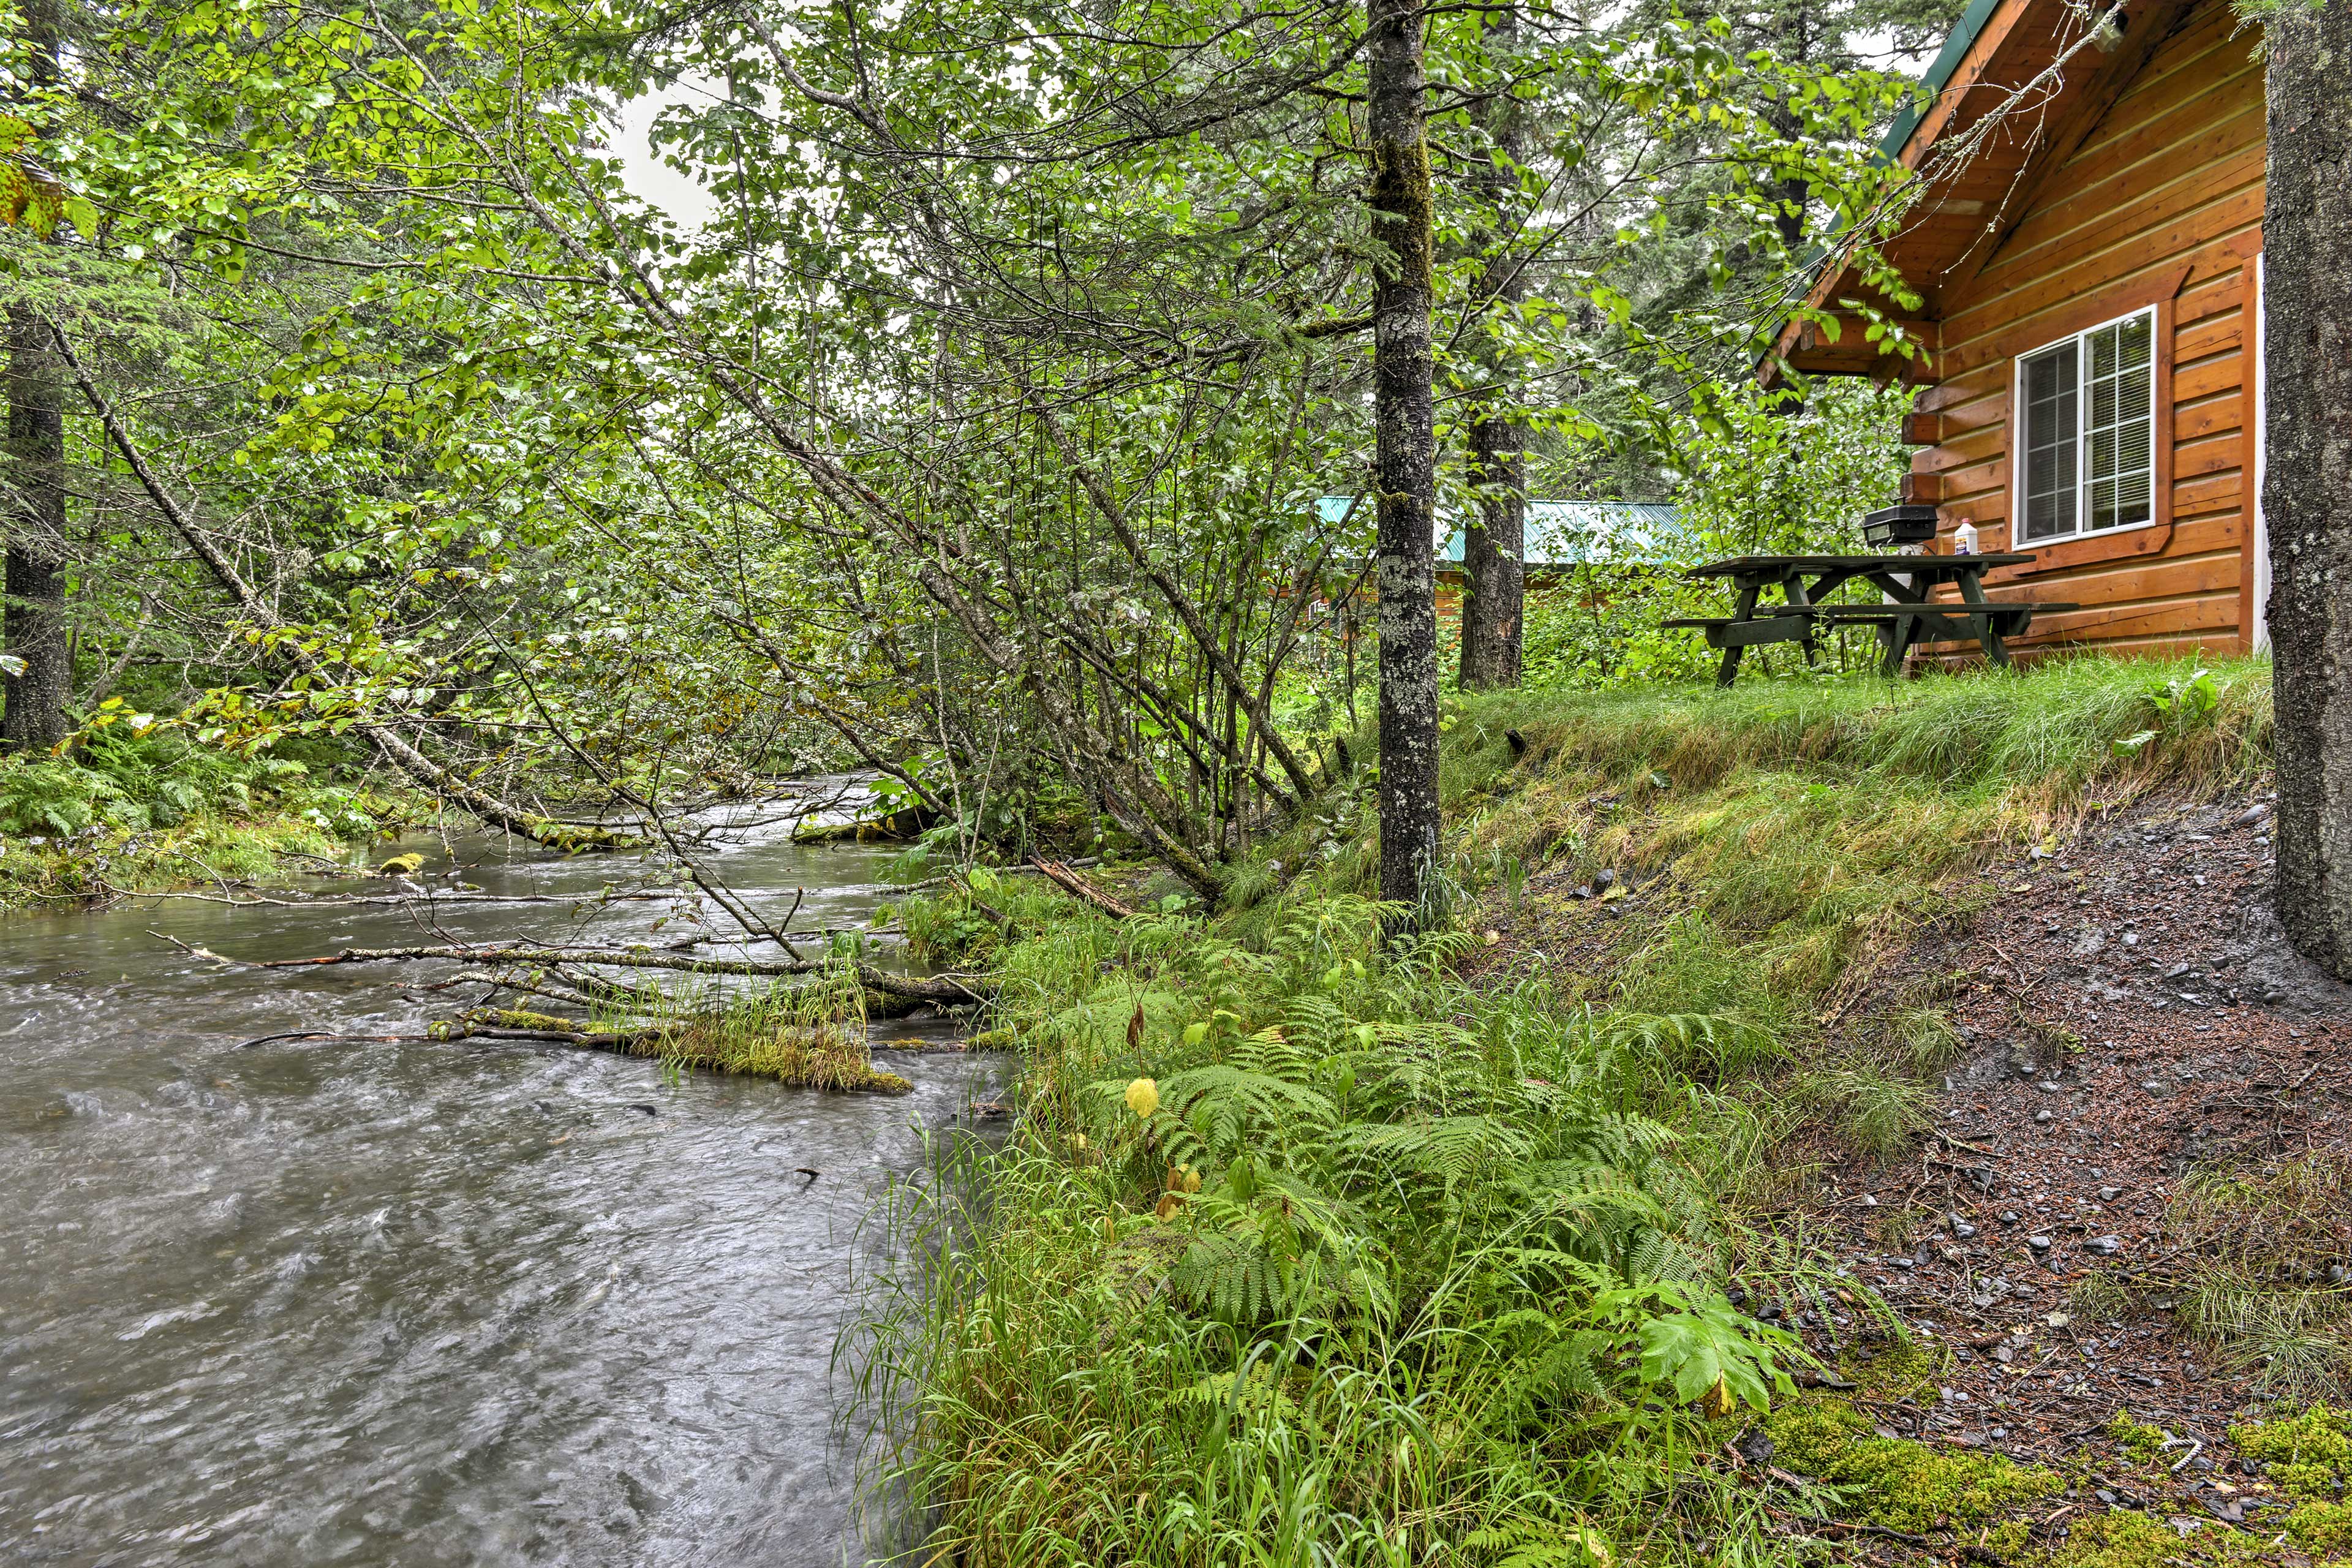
2154,1086
1962,1228
2047,1087
2039,1243
2109,1194
2105,1245
2041,1115
2008,1216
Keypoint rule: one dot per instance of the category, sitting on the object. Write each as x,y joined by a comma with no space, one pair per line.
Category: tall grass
1381,1268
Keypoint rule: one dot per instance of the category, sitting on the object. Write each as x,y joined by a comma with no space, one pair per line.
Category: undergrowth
1307,1251
127,812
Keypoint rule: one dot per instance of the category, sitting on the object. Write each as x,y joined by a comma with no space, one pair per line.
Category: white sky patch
646,175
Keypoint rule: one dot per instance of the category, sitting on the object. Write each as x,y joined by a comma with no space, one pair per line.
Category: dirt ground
2130,1009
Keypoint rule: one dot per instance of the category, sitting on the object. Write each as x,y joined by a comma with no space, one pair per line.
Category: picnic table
1907,616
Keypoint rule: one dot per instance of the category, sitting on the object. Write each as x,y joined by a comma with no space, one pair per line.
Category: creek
333,1302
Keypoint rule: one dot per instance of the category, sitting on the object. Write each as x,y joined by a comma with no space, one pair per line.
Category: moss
2308,1454
1902,1370
2322,1529
1897,1482
201,852
2136,1438
2007,1540
2122,1539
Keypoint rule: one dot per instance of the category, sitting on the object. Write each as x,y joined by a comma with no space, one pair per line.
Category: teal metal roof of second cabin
1566,532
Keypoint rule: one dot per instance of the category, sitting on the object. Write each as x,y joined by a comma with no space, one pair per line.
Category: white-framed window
2086,432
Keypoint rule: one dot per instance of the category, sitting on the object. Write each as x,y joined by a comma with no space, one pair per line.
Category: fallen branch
347,901
1078,887
987,911
946,989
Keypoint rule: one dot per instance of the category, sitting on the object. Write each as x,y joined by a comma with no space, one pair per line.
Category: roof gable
2012,93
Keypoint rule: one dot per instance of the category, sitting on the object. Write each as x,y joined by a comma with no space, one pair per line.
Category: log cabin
2086,248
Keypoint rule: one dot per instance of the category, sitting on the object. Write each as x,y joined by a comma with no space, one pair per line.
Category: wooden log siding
2159,203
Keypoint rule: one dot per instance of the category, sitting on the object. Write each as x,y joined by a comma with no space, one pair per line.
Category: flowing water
304,1303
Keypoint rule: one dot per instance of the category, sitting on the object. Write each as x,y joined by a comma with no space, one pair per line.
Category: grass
1304,1251
809,1033
802,1032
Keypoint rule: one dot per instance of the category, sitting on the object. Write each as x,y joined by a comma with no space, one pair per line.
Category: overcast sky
647,177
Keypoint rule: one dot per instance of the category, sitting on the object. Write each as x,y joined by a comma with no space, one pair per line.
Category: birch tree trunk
1402,401
2308,494
1494,547
35,623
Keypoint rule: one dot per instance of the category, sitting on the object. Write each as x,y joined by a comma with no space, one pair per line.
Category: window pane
2119,465
2049,443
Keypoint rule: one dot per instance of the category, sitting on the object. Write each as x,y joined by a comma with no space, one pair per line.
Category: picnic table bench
1907,616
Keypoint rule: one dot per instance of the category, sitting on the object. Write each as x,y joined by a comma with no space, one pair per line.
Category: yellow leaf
1614,891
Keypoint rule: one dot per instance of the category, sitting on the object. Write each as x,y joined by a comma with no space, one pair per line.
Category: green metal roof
1939,74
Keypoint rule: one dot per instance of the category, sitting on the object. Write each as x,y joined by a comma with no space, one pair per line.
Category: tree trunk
1403,409
1494,549
35,623
2307,495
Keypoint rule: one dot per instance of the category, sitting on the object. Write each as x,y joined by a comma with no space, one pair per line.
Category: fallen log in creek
749,1043
942,990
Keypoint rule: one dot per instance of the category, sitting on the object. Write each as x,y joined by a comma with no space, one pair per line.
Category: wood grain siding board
1955,388
2112,169
2214,294
2112,173
2192,245
2197,340
2212,201
2147,29
2200,53
2213,493
2212,456
2140,184
2167,179
2203,613
2222,411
